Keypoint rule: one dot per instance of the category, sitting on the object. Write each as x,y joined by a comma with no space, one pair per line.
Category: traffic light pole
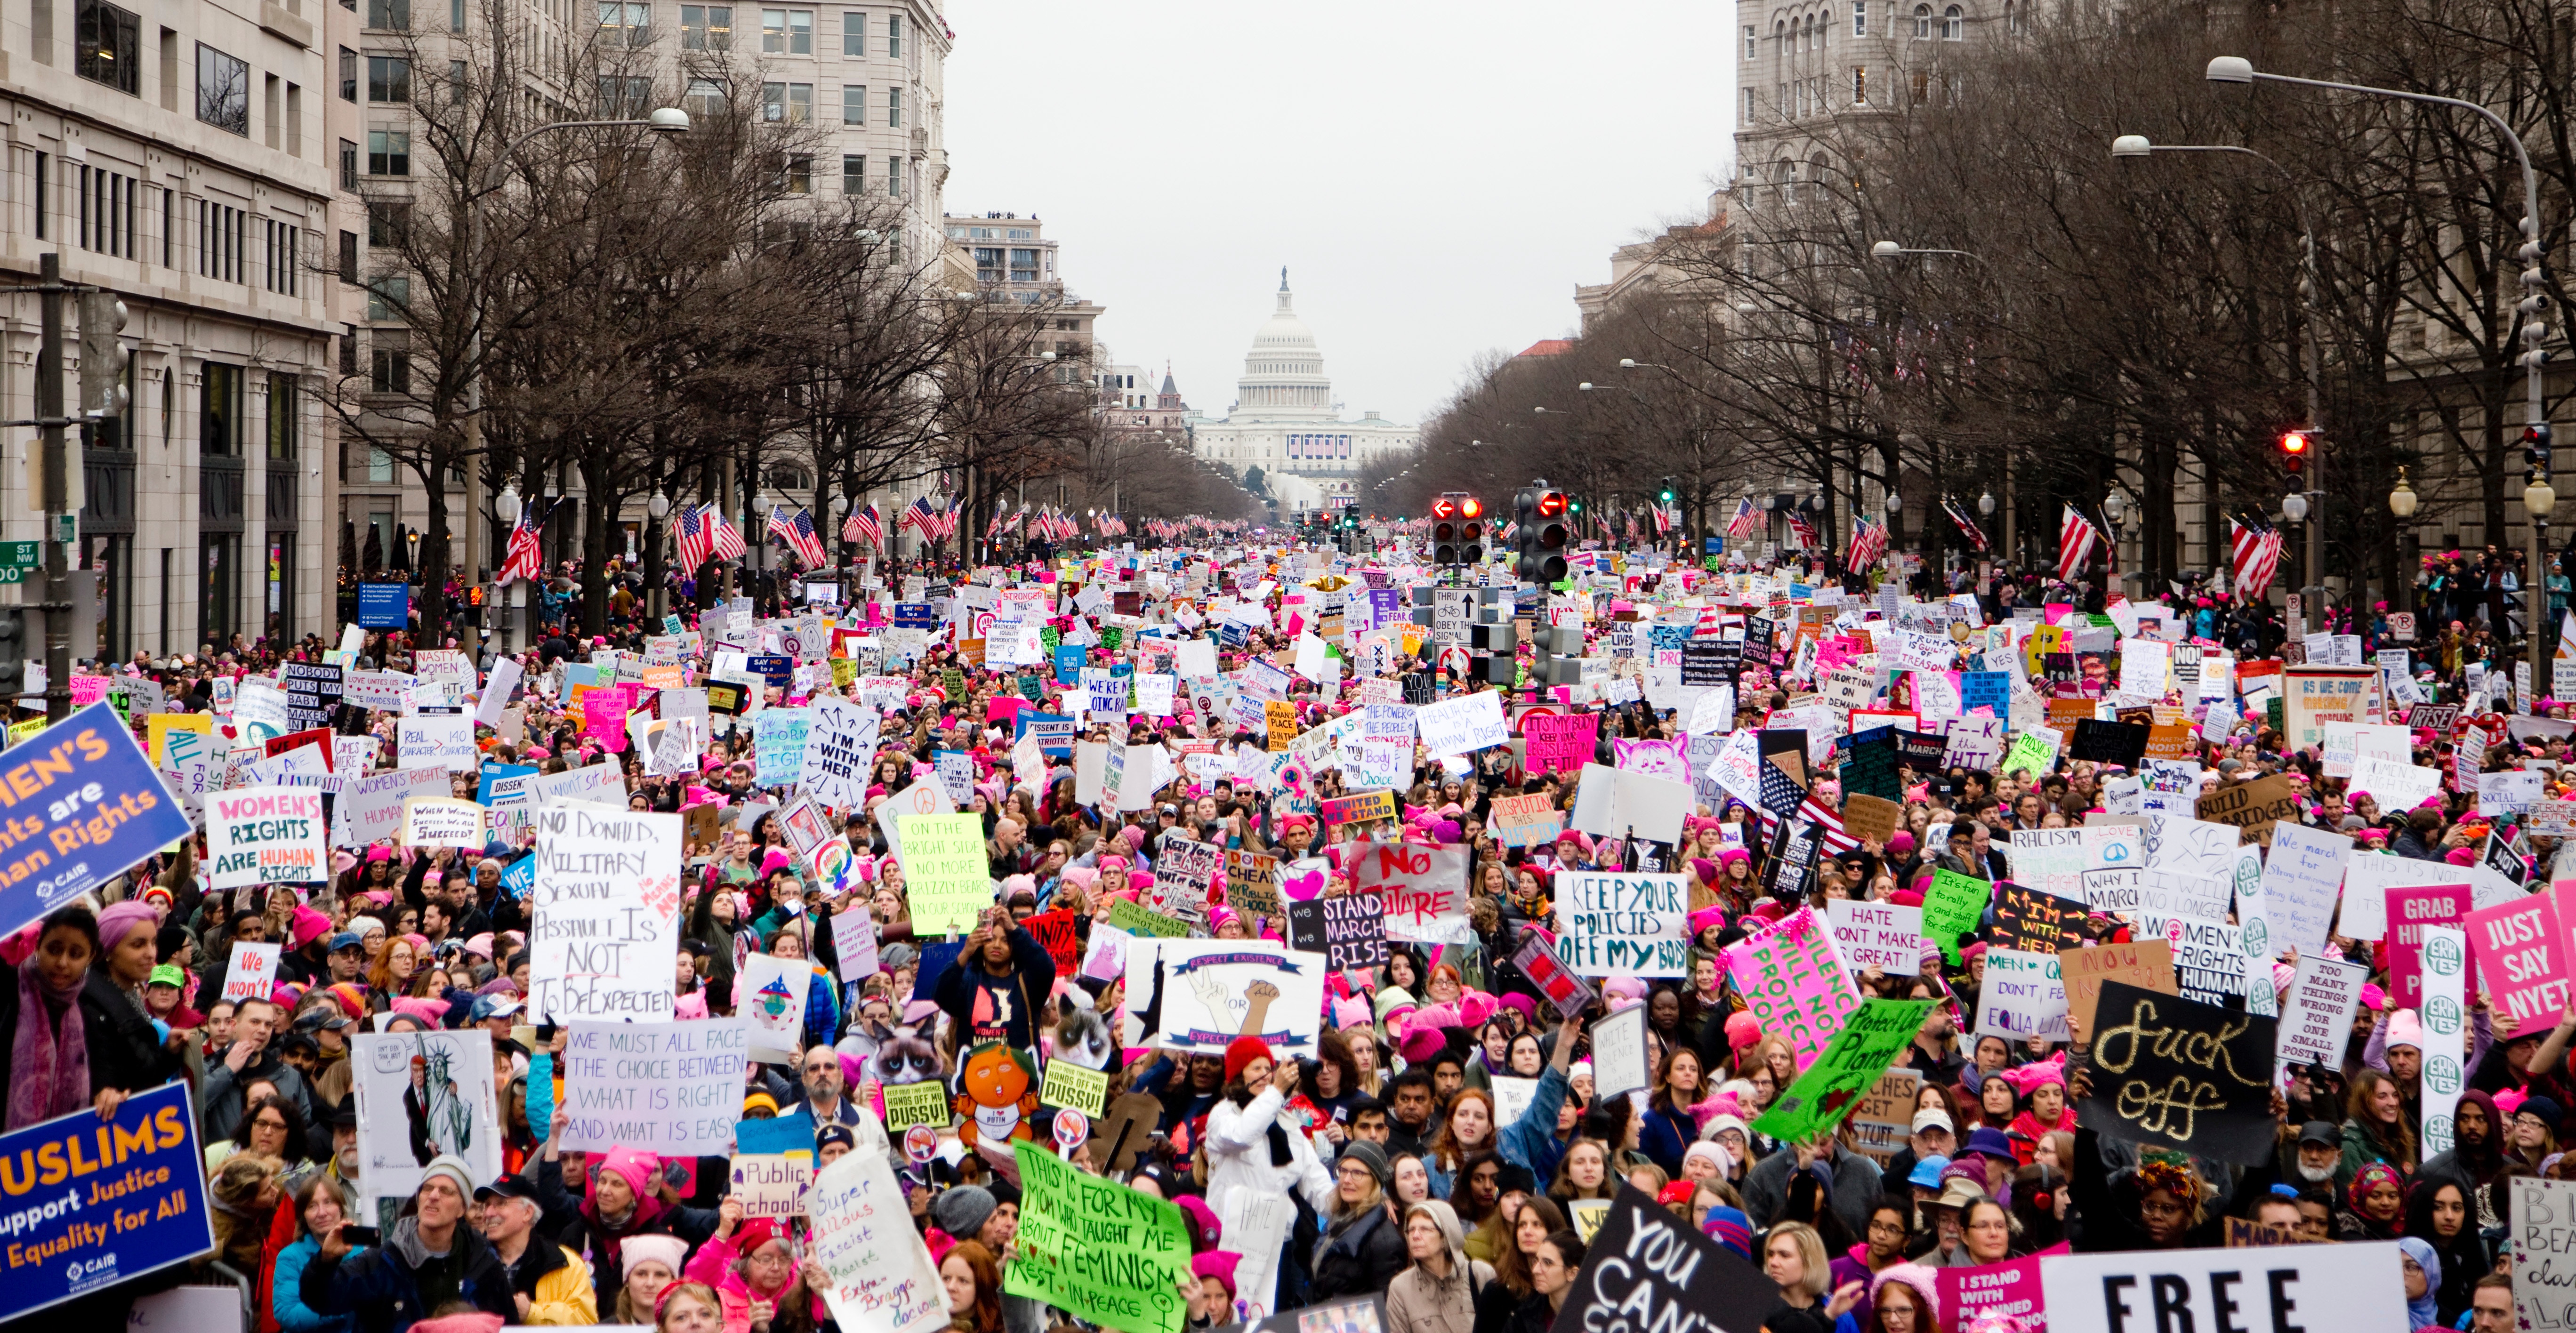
57,496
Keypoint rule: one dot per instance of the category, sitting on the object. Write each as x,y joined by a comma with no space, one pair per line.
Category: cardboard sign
2520,952
266,835
68,1241
2145,964
1350,931
1425,890
1793,982
1570,994
252,973
1885,936
2174,1073
1098,1250
1623,924
2316,1018
673,1089
2251,806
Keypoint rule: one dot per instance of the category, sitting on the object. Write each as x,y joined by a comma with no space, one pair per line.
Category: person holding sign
999,979
1250,1149
2159,1204
754,1271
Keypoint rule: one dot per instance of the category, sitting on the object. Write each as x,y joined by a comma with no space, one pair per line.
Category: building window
348,345
284,244
388,224
1752,41
223,90
706,27
388,299
388,79
388,152
217,618
1954,24
1860,85
854,175
706,97
220,409
854,104
110,46
624,23
1024,265
894,108
799,176
1748,106
1923,23
787,32
625,96
348,75
391,15
284,428
894,36
894,177
348,164
389,361
792,103
854,33
1860,18
222,233
107,211
349,258
1921,84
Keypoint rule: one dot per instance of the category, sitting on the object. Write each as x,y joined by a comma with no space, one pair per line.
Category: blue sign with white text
79,805
100,1201
384,605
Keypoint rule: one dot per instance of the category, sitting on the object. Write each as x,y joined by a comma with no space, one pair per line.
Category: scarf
49,1054
2421,1311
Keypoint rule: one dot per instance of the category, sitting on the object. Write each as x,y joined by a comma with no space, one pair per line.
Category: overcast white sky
1436,175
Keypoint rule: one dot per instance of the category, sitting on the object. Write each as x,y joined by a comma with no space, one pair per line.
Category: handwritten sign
2175,1073
1615,924
1793,984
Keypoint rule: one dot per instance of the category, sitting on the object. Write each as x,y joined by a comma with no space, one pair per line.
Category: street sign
22,555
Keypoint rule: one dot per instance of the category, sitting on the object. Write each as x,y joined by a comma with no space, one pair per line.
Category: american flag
798,532
2257,557
1868,543
1781,796
697,545
728,538
526,559
921,518
864,525
1967,527
1802,532
948,521
2076,539
1666,520
1747,518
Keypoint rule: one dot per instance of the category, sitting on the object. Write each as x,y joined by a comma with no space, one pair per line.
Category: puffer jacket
713,1264
557,1284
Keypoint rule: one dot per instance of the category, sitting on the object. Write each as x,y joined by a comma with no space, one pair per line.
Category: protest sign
1072,1087
2445,1014
1619,1063
910,1104
1848,1067
102,806
1425,890
265,835
1792,982
1614,924
773,1004
672,1089
883,1279
1953,908
2410,911
2348,1288
70,1239
252,973
2175,1073
436,742
839,740
2520,953
2023,996
2145,964
2302,880
1882,1121
441,821
1885,936
1216,990
2011,1289
1350,931
1184,873
2253,807
2316,1017
1526,821
2544,1233
605,904
2038,922
1568,992
1559,743
1252,885
1645,1269
424,1093
946,874
1136,920
1462,724
1359,808
772,1185
778,737
1100,1251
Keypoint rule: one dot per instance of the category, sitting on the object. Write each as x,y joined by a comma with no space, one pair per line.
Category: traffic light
13,652
1444,530
102,357
1665,496
2535,449
1471,530
2294,455
1542,536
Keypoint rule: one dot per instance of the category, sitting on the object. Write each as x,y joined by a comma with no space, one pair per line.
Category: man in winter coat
550,1284
1854,1179
428,1261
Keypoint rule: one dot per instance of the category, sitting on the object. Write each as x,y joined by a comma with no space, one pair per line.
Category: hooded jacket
1417,1302
714,1265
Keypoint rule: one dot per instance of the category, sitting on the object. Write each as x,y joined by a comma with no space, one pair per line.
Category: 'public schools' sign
86,1203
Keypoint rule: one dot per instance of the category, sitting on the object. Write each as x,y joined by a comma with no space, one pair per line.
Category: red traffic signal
1444,507
2294,442
1471,507
1551,504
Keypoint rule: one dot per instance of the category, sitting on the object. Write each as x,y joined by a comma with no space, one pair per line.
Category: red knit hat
1241,1052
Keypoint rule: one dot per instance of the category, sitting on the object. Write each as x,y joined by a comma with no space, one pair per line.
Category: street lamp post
2139,146
2401,502
2115,511
2237,69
